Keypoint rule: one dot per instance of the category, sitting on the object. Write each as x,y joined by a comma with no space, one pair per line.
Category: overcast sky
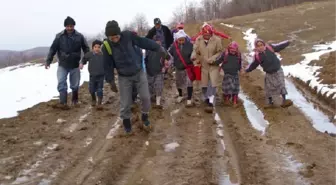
29,23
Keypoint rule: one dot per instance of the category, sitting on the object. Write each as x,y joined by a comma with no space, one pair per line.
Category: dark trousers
96,85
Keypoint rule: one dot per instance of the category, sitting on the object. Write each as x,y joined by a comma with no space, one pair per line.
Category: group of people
122,51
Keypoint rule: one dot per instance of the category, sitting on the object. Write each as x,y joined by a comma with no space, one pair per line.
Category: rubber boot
226,98
64,101
74,98
146,123
127,126
235,100
93,100
100,101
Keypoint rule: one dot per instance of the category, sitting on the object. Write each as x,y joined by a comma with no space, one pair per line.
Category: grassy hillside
10,58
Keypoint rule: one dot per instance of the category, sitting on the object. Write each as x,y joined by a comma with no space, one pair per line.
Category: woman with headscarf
206,50
181,51
266,57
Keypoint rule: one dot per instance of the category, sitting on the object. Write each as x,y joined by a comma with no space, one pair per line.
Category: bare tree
140,24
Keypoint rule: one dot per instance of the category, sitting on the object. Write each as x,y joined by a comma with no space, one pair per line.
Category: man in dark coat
162,32
126,59
68,45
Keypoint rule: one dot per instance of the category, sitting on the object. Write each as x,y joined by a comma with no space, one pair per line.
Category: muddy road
247,145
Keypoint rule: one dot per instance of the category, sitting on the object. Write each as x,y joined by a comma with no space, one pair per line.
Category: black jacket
186,51
167,33
68,49
96,63
269,61
125,56
231,65
154,63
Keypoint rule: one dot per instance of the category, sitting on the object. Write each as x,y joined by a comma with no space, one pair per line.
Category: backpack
256,53
108,47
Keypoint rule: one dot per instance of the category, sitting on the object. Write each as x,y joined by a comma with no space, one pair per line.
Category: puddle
171,147
226,174
320,121
28,175
114,128
255,116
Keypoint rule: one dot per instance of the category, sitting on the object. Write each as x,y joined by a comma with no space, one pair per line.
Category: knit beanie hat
69,21
96,42
112,28
157,21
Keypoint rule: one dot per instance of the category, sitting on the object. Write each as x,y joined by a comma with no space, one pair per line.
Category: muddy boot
287,103
93,100
226,99
206,102
100,103
63,104
209,108
127,127
146,124
235,101
75,98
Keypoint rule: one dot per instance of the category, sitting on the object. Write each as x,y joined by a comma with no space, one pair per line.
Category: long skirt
182,79
155,84
230,84
275,84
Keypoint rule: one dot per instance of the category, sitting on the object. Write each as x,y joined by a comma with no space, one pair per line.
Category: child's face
96,48
260,46
232,50
181,40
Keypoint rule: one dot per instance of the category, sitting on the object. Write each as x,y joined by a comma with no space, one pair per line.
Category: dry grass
327,73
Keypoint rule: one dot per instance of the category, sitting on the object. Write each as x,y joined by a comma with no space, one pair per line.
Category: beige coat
207,55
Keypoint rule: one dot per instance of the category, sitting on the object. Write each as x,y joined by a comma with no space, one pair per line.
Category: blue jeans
96,85
62,76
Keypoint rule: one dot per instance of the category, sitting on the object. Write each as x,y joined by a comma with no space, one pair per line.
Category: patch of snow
29,86
60,120
114,128
255,116
319,120
306,72
171,147
227,25
219,129
88,141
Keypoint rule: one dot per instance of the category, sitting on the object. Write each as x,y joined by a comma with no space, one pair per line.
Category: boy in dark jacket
275,79
128,63
97,72
230,61
155,67
185,48
166,37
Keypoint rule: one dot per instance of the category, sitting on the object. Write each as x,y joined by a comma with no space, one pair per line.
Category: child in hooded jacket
230,61
266,57
155,67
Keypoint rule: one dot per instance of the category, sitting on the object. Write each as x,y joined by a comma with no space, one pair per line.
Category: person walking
68,45
163,32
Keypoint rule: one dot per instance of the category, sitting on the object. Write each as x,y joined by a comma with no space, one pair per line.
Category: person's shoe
206,102
127,125
209,108
75,98
62,106
190,104
93,100
147,126
286,103
227,102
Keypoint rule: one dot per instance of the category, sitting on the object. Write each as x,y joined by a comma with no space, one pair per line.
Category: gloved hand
113,87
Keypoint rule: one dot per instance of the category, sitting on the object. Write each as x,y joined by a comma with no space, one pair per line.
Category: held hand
81,66
46,66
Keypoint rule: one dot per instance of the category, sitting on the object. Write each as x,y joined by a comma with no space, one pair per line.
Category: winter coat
68,49
268,59
186,52
125,56
96,63
231,65
168,37
154,63
207,55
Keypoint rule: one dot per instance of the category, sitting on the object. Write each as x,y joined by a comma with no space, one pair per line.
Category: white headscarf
180,34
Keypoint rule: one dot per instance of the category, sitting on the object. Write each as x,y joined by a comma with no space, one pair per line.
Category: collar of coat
75,32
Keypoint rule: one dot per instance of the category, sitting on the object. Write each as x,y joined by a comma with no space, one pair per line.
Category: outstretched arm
252,66
145,43
85,58
280,46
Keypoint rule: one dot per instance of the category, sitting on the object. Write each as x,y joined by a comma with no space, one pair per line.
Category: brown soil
328,70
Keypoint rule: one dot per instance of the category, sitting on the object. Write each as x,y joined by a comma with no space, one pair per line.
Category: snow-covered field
27,86
306,72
